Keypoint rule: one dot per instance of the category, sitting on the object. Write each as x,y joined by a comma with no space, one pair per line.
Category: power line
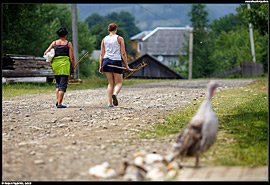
156,15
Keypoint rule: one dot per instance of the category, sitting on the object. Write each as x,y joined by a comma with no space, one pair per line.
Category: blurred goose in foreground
103,170
200,133
133,172
149,166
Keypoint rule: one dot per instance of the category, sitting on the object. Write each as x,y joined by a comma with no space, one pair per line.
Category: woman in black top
61,65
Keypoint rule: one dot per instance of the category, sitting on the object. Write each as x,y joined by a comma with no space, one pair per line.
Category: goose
200,133
103,170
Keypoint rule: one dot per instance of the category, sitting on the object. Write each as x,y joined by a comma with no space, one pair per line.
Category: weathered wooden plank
24,57
23,62
32,61
27,73
26,80
15,66
4,80
31,65
11,67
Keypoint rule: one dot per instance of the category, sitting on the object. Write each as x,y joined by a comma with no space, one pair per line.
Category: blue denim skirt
107,61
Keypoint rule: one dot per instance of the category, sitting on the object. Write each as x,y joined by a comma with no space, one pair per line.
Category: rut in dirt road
43,143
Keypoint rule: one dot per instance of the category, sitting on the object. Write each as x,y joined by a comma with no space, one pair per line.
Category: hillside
149,16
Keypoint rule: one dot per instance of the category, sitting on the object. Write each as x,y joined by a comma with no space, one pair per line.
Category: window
139,47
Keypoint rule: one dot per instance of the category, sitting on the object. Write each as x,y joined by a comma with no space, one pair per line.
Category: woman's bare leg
57,94
60,97
118,78
110,88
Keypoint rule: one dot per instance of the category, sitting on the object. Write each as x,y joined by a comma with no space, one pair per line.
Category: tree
199,16
126,28
85,43
231,44
127,22
201,65
94,19
28,29
257,16
18,30
227,23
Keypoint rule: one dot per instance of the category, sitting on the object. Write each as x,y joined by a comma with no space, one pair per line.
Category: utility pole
190,52
251,39
75,37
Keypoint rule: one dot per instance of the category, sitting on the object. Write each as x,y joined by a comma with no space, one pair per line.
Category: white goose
200,133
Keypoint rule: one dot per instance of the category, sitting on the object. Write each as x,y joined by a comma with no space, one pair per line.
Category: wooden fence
248,69
231,71
251,69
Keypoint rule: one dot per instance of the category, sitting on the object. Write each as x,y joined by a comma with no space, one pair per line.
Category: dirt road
43,143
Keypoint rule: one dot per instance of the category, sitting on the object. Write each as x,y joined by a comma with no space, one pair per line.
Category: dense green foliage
201,65
29,29
257,16
126,28
225,43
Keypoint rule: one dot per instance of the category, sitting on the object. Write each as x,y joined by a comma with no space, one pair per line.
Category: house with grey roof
163,43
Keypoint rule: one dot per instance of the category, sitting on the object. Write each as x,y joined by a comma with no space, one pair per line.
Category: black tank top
61,50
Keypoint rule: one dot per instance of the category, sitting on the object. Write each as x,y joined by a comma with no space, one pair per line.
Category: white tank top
112,48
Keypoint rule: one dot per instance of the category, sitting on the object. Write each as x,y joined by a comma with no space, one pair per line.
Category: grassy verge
243,126
21,89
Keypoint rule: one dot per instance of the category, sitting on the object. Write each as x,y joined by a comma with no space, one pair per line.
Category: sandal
115,101
56,104
111,106
61,106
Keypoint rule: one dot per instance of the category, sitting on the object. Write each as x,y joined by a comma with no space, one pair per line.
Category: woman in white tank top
112,49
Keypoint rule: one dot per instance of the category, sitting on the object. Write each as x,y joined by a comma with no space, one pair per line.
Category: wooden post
251,39
75,37
190,53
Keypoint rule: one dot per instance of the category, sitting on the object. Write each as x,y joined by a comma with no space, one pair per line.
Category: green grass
21,89
243,126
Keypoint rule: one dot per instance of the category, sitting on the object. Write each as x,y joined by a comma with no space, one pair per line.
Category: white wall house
163,43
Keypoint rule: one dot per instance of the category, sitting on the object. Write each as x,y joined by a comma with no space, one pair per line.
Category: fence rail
251,69
247,69
231,71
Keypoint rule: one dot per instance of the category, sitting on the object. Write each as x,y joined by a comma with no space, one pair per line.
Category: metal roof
164,41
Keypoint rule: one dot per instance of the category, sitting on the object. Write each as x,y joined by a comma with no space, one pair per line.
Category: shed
154,69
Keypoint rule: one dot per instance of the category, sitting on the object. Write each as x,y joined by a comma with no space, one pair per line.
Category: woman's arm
102,53
49,48
71,56
123,51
